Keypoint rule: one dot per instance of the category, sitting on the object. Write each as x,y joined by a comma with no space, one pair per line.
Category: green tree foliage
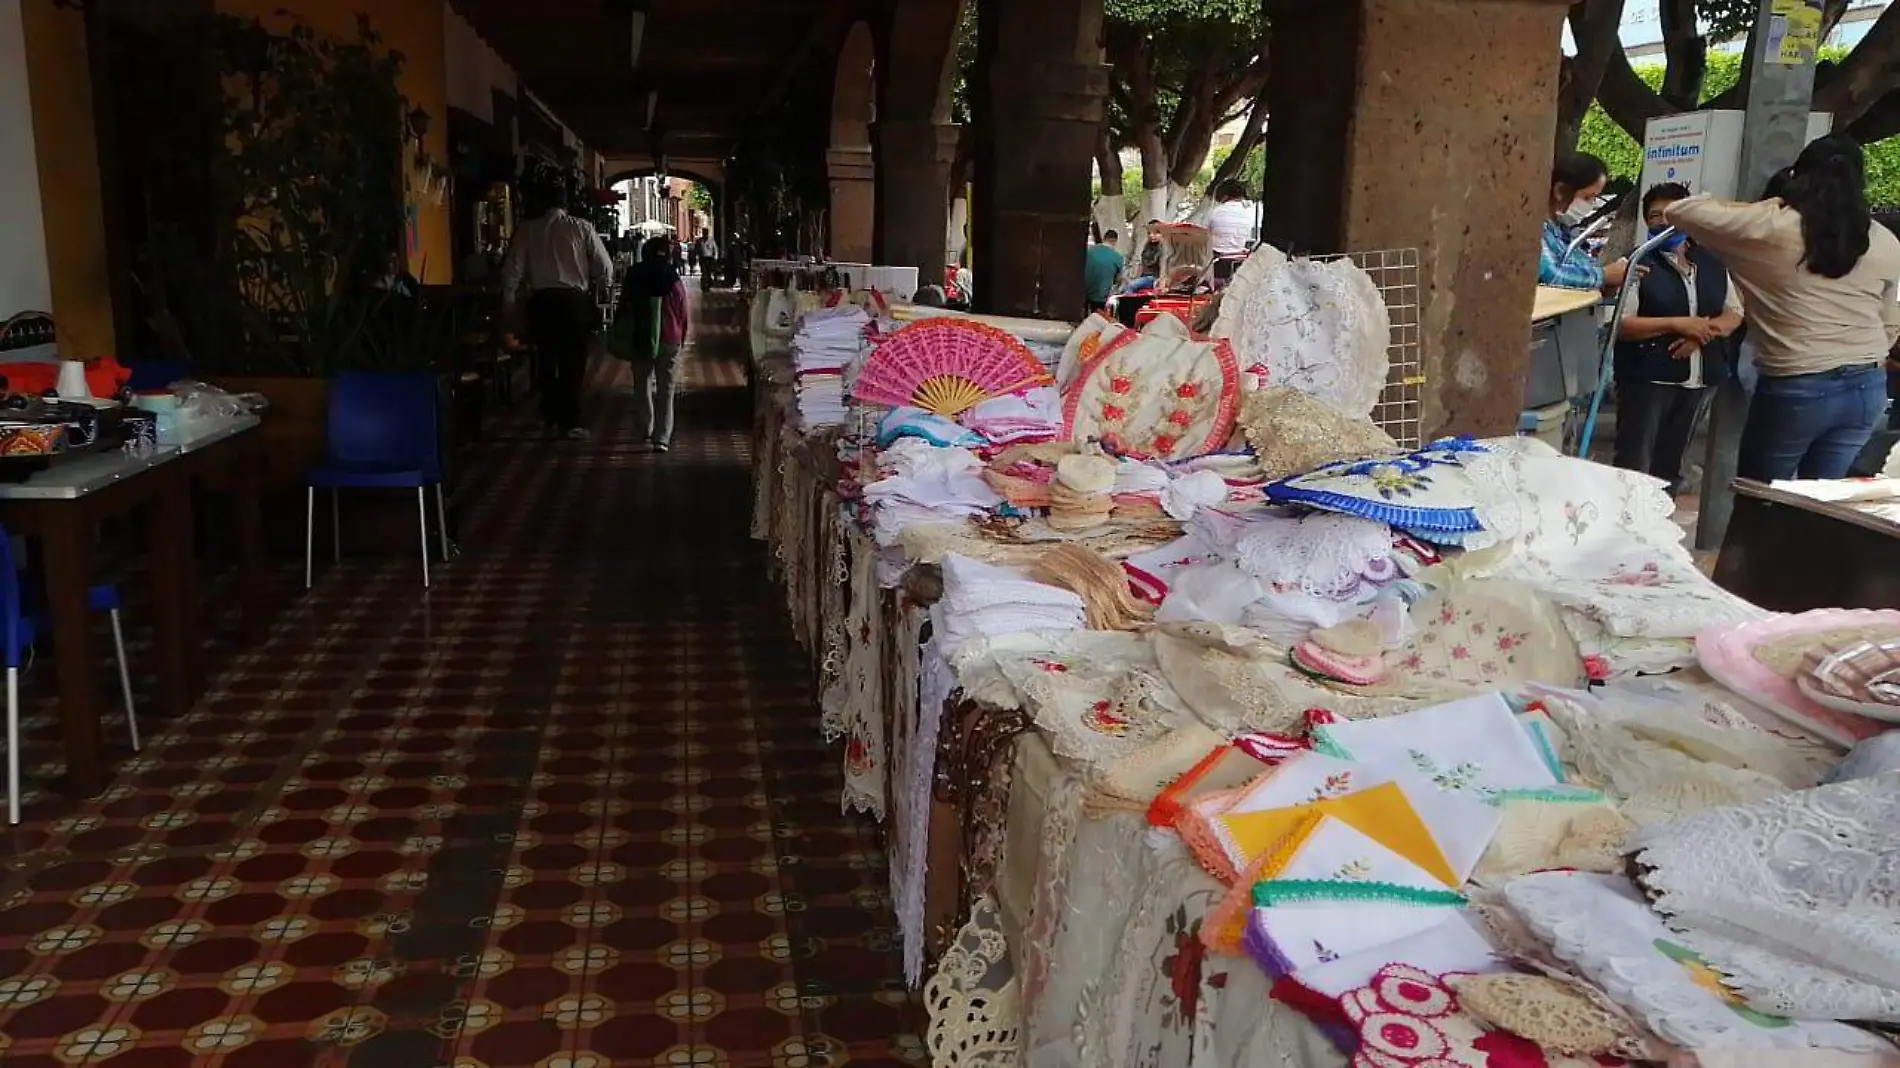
1603,138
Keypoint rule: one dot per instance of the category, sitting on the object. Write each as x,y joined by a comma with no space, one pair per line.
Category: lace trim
1547,1012
972,1000
1796,899
1301,891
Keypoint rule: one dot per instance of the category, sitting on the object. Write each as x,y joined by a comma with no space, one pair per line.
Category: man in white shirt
1231,222
564,266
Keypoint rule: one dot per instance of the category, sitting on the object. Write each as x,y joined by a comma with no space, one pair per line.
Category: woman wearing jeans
1817,275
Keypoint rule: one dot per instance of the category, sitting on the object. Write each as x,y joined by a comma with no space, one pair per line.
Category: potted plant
275,277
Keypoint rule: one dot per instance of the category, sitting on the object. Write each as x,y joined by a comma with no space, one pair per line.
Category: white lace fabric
1330,556
1320,327
1594,539
1599,925
1794,898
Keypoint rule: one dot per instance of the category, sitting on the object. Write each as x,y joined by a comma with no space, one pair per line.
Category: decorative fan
947,366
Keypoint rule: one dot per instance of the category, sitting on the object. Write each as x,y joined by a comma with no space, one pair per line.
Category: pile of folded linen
984,601
827,342
1033,415
923,483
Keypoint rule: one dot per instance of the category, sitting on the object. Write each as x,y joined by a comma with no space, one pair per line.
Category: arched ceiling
715,63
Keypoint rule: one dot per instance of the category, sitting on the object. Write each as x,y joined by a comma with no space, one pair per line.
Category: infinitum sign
1673,149
1702,150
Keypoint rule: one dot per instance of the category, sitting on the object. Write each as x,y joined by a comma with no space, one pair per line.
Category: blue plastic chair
21,625
383,434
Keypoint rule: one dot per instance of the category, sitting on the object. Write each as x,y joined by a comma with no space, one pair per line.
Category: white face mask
1577,211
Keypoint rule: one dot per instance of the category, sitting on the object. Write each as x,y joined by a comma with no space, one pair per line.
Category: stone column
1426,124
1042,86
914,159
853,174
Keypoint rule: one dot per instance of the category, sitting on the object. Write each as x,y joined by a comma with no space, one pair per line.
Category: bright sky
1640,25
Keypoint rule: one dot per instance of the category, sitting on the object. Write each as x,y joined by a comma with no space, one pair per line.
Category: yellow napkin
1382,813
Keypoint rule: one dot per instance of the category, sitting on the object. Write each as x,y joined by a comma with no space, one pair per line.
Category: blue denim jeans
1811,426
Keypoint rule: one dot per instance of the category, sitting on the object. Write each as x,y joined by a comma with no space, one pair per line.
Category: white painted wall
473,69
24,283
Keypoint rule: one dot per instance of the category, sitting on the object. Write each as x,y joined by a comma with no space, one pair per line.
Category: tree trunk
1593,26
1867,74
1688,53
1250,138
1111,208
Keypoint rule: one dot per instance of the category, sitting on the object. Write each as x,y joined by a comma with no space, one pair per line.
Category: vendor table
63,507
1791,553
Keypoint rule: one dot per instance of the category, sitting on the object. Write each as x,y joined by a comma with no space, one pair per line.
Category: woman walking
1817,276
654,300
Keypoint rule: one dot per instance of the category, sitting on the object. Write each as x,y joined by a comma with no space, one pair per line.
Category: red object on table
104,376
1182,308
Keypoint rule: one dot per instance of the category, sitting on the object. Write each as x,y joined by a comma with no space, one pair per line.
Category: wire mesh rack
1395,272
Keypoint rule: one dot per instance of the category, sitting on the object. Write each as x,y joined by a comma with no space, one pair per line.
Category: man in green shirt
1101,270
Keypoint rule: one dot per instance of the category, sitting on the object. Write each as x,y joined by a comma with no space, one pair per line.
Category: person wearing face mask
1576,179
1818,275
1673,345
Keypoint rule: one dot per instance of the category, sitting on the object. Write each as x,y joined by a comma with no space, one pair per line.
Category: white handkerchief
1340,893
1452,945
1474,747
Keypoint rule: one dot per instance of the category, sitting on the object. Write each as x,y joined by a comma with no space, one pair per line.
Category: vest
1665,295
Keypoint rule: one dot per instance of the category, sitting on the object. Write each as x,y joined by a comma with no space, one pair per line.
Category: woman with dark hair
1817,275
1576,180
654,299
564,266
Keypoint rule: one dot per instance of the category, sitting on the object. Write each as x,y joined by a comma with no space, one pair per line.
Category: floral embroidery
1182,967
1186,391
857,757
1337,784
1163,443
1353,871
1577,519
1101,719
1459,777
1649,575
1120,384
1055,667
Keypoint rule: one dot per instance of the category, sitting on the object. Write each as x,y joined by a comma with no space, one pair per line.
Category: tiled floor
569,810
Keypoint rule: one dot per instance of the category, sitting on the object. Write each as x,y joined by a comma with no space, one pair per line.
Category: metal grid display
1395,272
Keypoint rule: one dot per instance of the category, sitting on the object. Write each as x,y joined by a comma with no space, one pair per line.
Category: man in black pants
564,266
1673,348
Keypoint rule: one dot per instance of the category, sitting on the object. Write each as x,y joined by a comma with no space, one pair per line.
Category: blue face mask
1675,240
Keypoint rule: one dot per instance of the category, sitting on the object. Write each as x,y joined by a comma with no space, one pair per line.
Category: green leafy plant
1602,137
296,143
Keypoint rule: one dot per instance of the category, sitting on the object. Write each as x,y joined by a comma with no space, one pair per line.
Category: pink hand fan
947,366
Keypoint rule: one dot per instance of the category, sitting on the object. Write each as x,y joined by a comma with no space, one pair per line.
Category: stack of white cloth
986,601
828,340
923,483
1031,415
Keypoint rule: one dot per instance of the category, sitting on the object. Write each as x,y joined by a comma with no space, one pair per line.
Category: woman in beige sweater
1817,276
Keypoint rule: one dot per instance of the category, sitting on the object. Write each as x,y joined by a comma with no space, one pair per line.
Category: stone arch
849,160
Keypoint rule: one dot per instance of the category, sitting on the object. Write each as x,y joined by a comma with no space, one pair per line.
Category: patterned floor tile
567,810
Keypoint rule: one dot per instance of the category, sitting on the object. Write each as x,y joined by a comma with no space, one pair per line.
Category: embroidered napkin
1337,891
1230,833
1382,812
1474,747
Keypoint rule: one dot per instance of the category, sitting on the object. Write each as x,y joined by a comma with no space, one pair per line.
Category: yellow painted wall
71,203
414,28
